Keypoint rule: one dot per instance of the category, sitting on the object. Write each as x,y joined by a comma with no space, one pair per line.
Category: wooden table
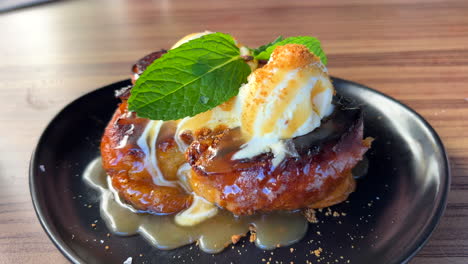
414,50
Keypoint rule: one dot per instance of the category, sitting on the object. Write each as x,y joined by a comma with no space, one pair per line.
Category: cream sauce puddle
213,235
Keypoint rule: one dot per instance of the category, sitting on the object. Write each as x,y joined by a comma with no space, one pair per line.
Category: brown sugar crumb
203,133
108,235
291,56
317,252
93,225
253,233
336,214
106,247
309,214
291,250
186,137
235,238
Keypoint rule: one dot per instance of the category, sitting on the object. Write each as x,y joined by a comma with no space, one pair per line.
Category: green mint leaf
264,47
193,78
311,43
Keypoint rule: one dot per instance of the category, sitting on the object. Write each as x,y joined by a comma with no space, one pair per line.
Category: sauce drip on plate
213,234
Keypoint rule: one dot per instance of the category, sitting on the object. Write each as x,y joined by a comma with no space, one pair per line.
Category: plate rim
430,226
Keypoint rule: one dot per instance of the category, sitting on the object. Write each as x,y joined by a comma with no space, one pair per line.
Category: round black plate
387,220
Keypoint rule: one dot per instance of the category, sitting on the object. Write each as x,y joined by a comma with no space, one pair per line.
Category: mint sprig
263,48
193,78
313,44
200,75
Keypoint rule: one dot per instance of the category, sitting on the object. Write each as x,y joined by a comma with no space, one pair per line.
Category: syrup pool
213,235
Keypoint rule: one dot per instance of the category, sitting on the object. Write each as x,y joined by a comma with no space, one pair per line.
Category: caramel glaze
319,176
130,176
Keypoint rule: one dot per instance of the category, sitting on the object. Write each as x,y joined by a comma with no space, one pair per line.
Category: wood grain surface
416,51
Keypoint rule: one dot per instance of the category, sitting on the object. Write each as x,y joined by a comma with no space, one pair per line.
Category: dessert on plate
282,143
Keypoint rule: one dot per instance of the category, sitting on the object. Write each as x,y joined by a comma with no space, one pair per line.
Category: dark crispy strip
140,66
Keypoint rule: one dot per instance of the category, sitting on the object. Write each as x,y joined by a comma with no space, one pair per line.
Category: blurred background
55,51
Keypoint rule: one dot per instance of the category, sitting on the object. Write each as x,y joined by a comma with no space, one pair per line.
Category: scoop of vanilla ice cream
286,98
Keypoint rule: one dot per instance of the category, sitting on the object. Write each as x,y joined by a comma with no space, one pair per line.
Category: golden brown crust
168,155
243,187
247,186
314,180
340,194
128,171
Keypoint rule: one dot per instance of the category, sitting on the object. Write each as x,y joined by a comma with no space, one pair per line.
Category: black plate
388,219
